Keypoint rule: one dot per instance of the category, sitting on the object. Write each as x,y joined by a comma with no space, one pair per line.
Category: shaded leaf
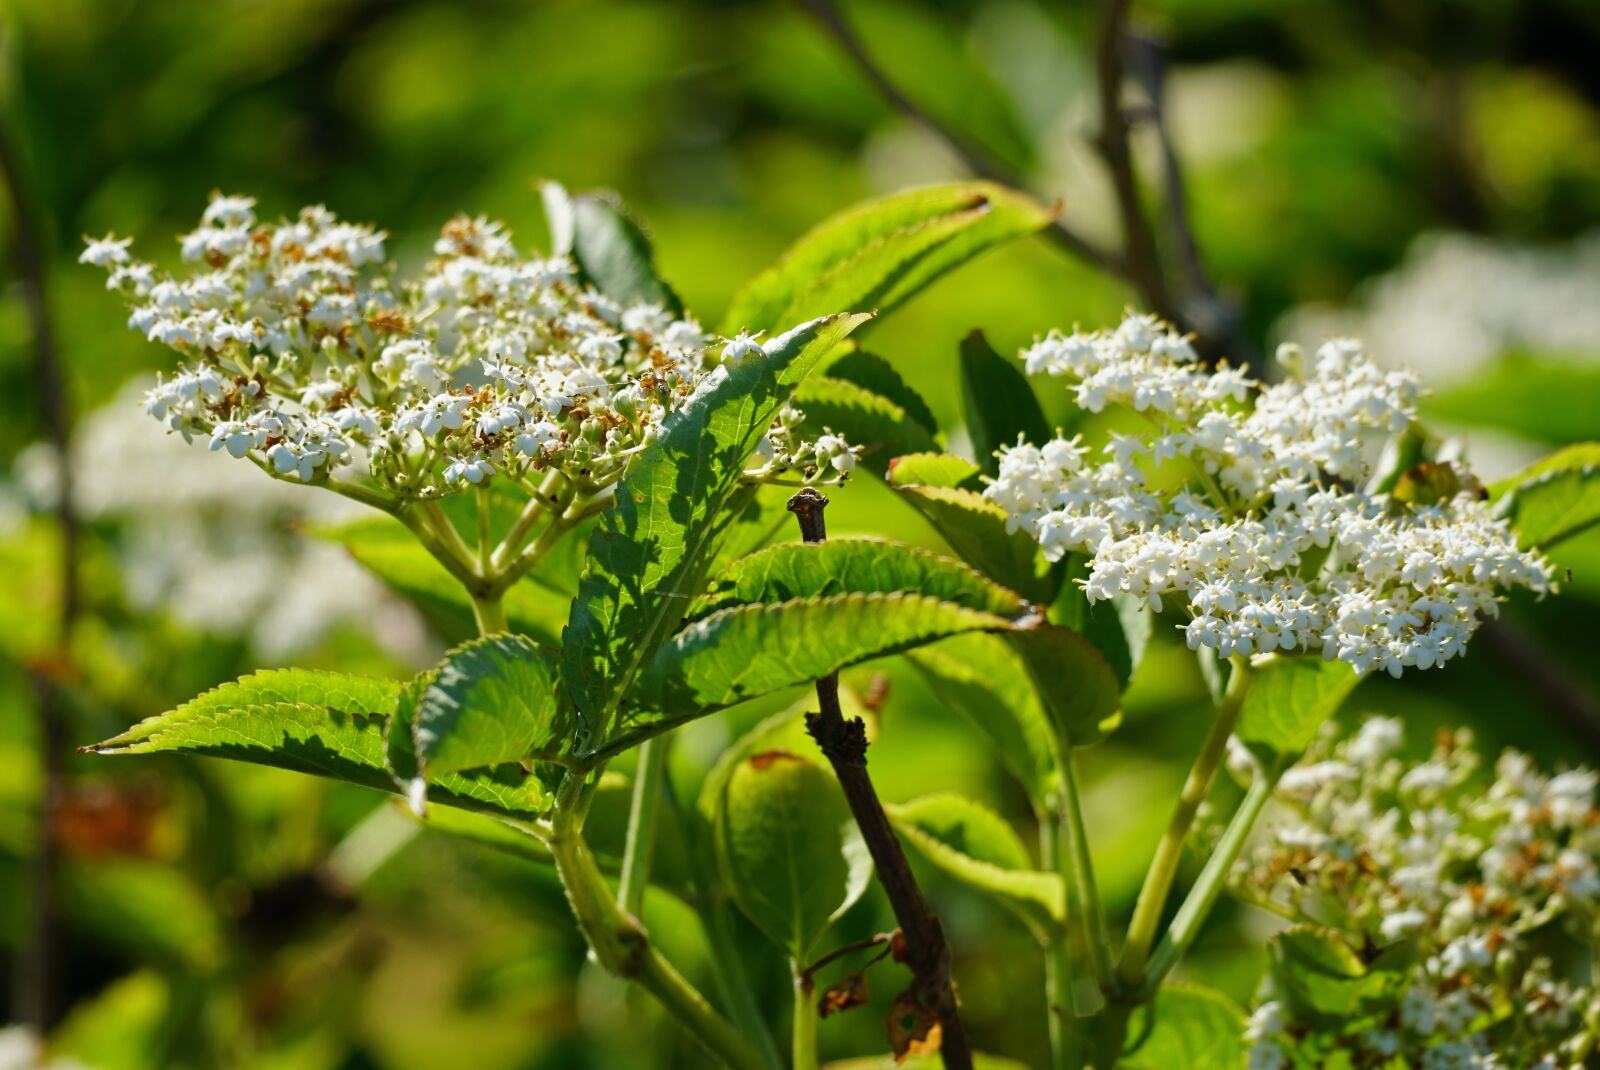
1324,980
975,528
998,402
493,700
983,679
872,372
789,851
881,428
608,246
1075,682
879,254
977,847
652,544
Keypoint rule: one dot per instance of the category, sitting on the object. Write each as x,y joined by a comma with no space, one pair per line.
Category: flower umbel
1255,506
305,351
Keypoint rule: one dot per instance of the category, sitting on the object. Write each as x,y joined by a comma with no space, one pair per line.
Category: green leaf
879,254
1195,1029
1323,980
1119,628
385,548
325,724
1542,399
935,470
491,701
608,246
789,851
883,429
856,566
747,651
1076,684
975,528
872,372
1289,700
999,404
983,680
975,845
1554,499
651,546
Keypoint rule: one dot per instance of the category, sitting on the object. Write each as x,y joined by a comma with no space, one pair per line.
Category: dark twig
844,744
973,158
1141,259
838,953
35,967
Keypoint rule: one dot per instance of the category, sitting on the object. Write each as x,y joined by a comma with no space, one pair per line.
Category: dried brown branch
931,997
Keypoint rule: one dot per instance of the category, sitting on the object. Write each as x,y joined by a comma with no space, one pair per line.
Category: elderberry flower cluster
304,352
1454,892
1249,504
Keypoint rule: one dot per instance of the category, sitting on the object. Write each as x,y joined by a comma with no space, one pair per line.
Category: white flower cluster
1477,878
304,352
1247,504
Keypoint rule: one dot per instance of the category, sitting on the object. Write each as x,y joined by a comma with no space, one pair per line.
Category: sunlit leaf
880,427
878,254
935,470
1288,702
1194,1029
975,528
872,372
651,546
1554,499
493,700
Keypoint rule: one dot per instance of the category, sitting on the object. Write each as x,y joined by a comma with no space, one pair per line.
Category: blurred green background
1426,174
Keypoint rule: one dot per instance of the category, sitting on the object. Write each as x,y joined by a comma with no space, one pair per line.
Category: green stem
1197,904
485,540
641,839
1078,860
444,531
805,1021
489,612
623,949
1058,966
1169,853
541,501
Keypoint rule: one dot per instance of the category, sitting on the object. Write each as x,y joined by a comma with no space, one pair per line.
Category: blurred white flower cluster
1470,880
303,351
1250,504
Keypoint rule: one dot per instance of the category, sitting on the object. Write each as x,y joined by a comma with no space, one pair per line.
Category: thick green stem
489,612
1169,853
485,526
1058,966
1081,865
622,948
640,844
1197,904
805,1021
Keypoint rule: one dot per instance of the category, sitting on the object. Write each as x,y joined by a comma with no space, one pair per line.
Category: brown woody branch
844,744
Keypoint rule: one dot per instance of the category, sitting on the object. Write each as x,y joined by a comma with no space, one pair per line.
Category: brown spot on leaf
765,759
912,1028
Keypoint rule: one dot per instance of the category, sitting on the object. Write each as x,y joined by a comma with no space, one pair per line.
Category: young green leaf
881,428
747,651
1554,499
1541,397
855,566
1289,700
879,254
872,372
608,246
789,852
999,403
975,845
935,470
493,700
1195,1029
1076,684
983,680
652,545
325,724
975,528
